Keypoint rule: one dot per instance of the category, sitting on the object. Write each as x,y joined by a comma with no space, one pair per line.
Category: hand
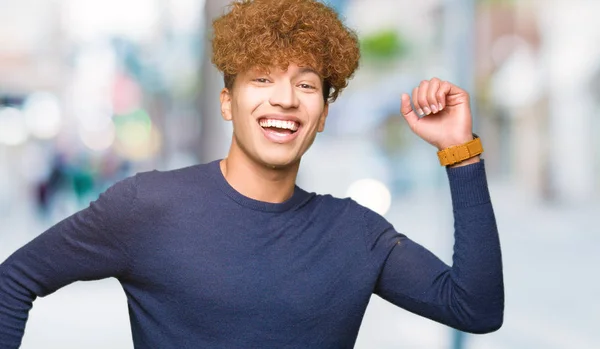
442,114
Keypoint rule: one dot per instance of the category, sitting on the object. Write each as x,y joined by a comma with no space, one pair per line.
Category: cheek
246,103
315,109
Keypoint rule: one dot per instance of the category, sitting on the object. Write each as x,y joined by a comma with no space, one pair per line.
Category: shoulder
359,214
347,209
335,204
355,220
176,182
151,192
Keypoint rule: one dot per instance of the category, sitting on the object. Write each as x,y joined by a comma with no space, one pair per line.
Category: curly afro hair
264,33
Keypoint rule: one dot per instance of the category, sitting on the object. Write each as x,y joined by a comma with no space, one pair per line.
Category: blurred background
92,91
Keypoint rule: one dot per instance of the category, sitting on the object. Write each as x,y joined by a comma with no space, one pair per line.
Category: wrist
470,161
455,142
461,155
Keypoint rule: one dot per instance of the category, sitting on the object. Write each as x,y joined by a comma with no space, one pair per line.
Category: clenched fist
442,114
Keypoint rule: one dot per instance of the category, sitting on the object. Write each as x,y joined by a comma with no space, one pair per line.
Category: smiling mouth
279,126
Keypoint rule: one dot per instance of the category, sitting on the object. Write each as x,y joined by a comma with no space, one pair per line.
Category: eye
261,80
307,86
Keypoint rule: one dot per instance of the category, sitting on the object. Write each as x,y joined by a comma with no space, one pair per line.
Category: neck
258,181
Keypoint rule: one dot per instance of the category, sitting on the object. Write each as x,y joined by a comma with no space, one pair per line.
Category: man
232,254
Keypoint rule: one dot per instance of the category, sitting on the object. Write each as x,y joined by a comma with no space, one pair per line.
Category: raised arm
469,295
85,246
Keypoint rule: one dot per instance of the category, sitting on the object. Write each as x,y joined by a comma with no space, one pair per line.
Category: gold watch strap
458,153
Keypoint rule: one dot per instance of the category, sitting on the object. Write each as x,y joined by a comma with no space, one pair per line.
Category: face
275,115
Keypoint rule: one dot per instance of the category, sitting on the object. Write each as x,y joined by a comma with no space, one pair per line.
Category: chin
279,162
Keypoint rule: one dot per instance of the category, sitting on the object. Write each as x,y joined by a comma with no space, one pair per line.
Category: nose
284,96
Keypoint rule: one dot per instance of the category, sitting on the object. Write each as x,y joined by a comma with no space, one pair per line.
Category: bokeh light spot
13,130
372,194
42,114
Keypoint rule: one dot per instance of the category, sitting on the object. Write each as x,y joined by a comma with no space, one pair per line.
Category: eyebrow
306,70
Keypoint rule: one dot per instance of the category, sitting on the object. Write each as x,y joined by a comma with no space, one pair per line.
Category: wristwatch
462,152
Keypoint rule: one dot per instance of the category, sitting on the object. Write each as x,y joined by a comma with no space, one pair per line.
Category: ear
225,98
323,117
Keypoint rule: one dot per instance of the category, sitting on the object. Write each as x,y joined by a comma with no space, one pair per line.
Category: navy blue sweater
206,267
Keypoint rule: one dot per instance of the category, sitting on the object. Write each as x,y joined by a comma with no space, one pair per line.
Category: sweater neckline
298,197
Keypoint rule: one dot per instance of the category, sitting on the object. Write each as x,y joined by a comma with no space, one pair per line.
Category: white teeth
288,125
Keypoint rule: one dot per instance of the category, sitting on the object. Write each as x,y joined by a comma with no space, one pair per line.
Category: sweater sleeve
84,246
468,296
